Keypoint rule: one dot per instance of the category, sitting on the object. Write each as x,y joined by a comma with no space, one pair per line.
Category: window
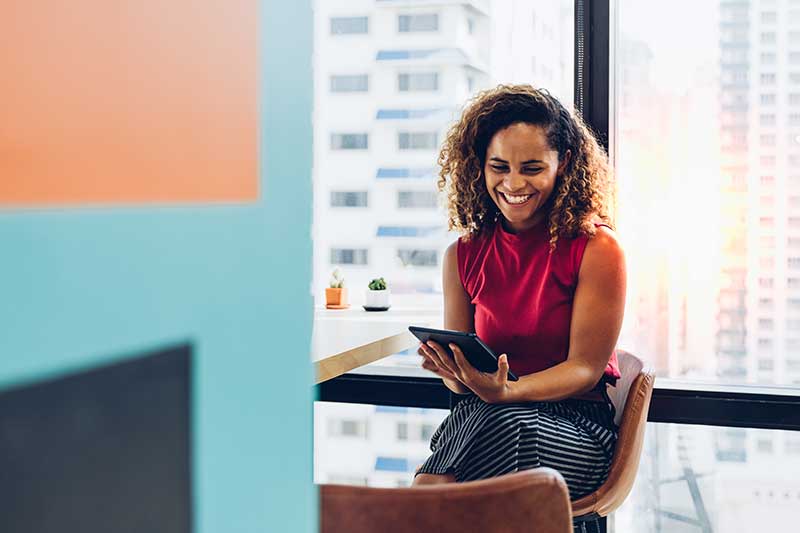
416,140
418,81
417,199
766,364
767,119
349,25
432,73
415,23
402,431
349,198
349,256
357,83
338,427
420,258
768,37
767,99
349,141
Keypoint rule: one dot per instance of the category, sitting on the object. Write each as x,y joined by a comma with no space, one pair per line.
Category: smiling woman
541,281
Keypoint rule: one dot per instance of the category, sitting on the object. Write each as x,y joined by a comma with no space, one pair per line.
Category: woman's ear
563,163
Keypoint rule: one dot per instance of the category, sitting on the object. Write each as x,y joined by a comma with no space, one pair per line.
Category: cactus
337,279
378,284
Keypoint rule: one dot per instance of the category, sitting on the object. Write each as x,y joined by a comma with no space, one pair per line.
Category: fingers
464,366
502,367
432,362
441,357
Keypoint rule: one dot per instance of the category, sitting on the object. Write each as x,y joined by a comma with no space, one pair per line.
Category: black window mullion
592,65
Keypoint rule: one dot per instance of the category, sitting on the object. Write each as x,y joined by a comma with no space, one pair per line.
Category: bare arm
597,313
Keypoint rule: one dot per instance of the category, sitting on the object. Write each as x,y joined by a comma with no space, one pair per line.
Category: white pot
377,298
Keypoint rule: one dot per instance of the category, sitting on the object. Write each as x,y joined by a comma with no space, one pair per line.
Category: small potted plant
377,295
336,294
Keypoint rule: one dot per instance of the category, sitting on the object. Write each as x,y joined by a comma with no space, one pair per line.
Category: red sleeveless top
523,295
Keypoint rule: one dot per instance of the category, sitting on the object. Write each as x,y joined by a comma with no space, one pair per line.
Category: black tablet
476,352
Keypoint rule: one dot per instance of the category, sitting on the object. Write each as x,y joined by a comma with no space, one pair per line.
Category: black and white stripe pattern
479,440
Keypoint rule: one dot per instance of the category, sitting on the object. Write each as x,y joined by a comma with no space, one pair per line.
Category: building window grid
422,22
349,25
417,81
416,140
349,141
349,199
349,256
349,83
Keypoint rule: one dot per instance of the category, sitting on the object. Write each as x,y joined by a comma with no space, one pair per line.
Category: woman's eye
499,169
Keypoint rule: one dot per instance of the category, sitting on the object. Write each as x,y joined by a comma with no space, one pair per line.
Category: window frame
673,401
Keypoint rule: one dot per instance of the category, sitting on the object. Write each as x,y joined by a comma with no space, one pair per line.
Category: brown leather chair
631,399
533,501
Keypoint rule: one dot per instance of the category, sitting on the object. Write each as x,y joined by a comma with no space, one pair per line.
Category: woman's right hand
439,362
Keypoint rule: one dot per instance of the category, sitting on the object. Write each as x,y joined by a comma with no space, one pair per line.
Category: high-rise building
391,76
759,307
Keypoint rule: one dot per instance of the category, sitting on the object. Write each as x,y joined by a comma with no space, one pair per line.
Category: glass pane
386,455
700,478
385,95
708,167
691,478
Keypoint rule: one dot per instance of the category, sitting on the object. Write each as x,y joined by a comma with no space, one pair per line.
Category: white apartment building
760,82
390,78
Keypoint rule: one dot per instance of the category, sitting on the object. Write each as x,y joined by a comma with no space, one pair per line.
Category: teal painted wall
85,286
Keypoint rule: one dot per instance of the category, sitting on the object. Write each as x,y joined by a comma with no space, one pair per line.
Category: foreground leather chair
631,399
531,501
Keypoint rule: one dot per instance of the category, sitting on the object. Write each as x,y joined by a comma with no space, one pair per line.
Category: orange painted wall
131,101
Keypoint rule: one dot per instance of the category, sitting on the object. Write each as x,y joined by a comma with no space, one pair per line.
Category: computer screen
101,451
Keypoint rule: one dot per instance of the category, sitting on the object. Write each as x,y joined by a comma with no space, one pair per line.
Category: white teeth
516,199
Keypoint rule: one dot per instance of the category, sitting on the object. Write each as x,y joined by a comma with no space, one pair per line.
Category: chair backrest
631,399
630,367
530,501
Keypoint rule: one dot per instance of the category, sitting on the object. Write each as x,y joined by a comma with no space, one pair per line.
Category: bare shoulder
452,251
450,259
603,252
605,239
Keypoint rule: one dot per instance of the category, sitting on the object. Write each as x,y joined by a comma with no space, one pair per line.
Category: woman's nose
514,181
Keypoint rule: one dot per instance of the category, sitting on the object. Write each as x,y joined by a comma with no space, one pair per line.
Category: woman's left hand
491,388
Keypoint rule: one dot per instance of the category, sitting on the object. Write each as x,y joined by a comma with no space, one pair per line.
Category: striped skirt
479,440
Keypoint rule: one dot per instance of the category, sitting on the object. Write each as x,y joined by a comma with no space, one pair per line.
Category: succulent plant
378,284
337,279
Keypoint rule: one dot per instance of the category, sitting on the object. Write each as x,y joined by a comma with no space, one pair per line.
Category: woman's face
520,171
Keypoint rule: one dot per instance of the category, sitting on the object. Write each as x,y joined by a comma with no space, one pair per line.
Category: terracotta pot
335,296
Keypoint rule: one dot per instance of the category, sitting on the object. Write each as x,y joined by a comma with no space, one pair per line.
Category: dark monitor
101,451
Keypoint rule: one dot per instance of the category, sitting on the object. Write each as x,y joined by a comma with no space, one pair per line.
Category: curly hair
583,192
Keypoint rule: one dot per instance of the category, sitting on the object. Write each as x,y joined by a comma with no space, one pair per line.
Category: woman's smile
515,200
